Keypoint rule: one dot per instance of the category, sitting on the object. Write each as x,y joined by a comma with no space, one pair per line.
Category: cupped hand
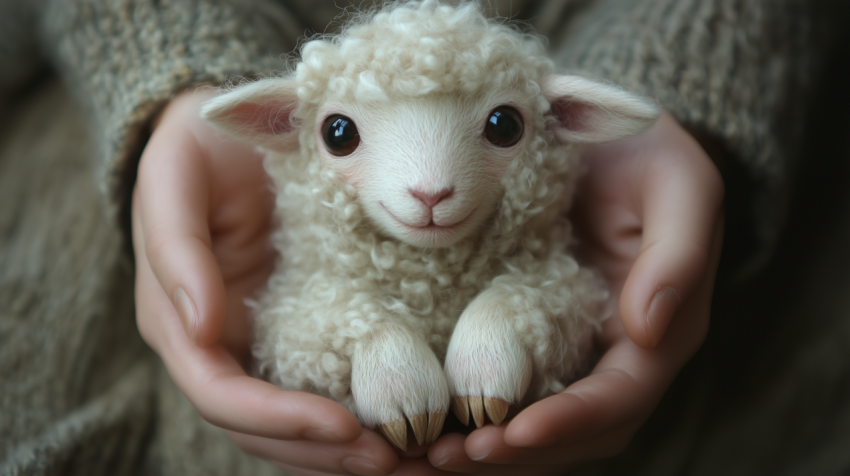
202,209
648,216
649,219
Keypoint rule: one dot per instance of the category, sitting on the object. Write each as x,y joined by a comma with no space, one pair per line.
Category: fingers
681,194
368,455
594,418
625,386
217,385
172,198
595,405
477,453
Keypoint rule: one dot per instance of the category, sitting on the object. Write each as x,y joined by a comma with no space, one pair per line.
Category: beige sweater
79,391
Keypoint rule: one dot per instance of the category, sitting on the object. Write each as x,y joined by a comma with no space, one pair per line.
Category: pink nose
431,199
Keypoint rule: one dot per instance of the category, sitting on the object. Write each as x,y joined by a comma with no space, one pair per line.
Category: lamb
424,159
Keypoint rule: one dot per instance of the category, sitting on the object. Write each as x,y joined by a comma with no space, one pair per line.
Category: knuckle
164,250
145,332
206,413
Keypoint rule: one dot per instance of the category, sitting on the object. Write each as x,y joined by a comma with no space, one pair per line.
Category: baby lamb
424,159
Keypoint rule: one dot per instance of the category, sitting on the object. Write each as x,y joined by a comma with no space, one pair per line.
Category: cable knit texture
124,59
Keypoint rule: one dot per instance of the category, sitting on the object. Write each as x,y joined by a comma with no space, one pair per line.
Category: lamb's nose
431,199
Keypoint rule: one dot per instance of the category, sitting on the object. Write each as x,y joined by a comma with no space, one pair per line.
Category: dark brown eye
503,127
340,135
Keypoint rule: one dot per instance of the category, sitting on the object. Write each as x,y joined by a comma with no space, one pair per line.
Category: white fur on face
423,171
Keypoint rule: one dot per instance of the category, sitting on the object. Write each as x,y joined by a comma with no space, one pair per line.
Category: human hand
202,209
649,217
204,219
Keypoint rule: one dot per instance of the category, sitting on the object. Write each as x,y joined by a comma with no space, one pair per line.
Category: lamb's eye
340,135
504,126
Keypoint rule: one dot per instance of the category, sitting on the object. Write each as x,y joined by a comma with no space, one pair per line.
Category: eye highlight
340,135
504,126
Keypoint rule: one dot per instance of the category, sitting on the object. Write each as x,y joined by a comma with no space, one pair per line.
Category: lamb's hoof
426,429
396,432
460,407
435,426
419,424
496,409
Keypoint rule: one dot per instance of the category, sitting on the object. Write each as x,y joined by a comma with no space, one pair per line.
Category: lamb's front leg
526,333
395,375
487,365
328,339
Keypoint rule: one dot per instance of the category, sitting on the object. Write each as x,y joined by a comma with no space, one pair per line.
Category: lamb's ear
589,112
259,113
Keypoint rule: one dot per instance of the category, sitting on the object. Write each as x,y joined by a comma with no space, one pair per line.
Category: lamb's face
427,170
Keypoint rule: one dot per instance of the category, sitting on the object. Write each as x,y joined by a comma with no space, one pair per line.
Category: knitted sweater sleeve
738,71
124,59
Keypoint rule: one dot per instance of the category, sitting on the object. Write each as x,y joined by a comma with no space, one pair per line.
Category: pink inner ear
266,119
573,115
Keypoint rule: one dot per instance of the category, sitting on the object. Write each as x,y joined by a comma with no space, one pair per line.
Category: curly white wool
410,49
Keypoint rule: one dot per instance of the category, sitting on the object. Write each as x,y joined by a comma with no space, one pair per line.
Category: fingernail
479,457
320,434
439,457
463,469
660,312
361,467
186,310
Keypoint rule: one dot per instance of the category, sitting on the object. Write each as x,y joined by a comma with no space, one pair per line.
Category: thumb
172,195
681,205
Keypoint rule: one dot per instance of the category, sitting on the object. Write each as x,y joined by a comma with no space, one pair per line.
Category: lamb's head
429,112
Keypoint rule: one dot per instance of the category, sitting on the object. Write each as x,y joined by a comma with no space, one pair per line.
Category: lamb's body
376,306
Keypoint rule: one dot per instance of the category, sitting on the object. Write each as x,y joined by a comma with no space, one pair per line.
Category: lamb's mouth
431,226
